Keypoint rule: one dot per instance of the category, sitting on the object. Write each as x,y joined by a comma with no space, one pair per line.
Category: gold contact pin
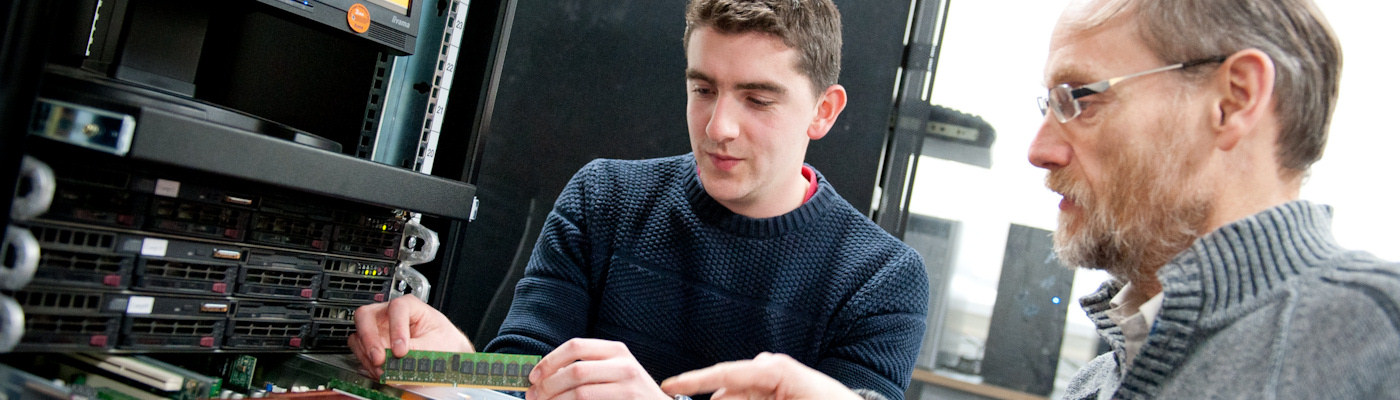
238,200
228,254
214,307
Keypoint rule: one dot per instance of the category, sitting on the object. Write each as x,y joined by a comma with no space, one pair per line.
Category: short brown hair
1307,56
813,27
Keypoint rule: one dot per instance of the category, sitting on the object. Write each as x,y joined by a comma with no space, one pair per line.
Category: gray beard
1138,224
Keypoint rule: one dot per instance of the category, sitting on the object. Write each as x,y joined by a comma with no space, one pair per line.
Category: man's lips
723,162
1066,204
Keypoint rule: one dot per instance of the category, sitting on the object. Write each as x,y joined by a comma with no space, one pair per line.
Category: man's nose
724,121
1049,149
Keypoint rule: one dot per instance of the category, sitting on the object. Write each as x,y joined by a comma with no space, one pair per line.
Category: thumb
404,313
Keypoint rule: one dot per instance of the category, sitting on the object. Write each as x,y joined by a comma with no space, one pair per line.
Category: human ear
829,106
1246,83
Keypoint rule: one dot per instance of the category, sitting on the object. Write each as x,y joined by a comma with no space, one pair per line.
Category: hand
401,324
768,376
583,369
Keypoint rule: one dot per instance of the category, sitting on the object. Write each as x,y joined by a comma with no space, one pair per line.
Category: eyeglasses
1063,100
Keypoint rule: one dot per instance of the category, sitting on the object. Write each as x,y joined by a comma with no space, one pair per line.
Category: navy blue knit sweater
637,252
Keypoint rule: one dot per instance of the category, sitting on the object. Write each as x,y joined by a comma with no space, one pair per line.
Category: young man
647,269
1179,134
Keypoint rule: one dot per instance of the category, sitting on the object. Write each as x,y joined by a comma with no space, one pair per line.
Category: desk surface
451,393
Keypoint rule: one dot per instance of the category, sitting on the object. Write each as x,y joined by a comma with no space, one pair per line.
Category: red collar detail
811,175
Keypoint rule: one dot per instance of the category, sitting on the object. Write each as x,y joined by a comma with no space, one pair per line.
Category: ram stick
509,372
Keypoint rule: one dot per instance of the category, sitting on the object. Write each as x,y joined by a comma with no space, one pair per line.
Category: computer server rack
146,220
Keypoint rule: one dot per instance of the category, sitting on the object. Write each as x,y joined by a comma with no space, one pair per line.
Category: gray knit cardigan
1267,307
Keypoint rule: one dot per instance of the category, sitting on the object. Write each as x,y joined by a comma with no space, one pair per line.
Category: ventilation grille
65,302
40,324
174,327
356,284
51,235
292,232
366,242
256,276
67,260
96,205
333,331
335,313
266,329
184,270
388,36
206,220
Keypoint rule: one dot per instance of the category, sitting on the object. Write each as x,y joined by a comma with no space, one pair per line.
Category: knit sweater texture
1268,307
637,252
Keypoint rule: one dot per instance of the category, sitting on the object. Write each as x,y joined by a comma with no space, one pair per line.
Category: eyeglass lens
1063,103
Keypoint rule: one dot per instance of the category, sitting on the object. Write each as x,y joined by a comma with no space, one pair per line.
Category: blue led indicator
1055,299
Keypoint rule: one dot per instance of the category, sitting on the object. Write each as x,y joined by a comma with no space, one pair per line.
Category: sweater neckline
1229,268
712,212
1252,257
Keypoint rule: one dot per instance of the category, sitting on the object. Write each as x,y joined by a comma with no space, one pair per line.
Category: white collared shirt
1134,314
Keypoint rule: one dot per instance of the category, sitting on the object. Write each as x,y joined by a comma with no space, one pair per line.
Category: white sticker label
167,188
154,247
140,305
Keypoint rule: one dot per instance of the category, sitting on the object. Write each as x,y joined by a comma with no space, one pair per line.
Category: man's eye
702,91
760,102
1087,106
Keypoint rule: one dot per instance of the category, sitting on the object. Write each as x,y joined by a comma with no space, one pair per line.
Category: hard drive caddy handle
11,323
38,186
23,248
25,255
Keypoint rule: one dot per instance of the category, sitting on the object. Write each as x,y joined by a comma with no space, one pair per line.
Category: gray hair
1306,54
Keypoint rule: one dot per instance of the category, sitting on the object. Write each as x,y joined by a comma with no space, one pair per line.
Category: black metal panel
174,139
1028,319
203,137
23,35
872,52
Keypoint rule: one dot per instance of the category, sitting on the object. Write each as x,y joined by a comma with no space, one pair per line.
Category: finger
575,350
367,328
741,376
705,380
582,377
358,350
403,313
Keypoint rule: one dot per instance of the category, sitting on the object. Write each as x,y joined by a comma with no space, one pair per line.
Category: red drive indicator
358,17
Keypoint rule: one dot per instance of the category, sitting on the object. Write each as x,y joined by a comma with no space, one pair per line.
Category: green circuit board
484,370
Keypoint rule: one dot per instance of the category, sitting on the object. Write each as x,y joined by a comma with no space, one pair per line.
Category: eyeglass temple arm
1101,86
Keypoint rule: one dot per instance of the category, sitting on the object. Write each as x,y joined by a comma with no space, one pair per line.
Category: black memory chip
439,366
408,363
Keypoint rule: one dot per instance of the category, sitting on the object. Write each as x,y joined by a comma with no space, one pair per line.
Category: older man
1179,134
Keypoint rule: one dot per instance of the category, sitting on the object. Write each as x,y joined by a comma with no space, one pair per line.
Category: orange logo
358,17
